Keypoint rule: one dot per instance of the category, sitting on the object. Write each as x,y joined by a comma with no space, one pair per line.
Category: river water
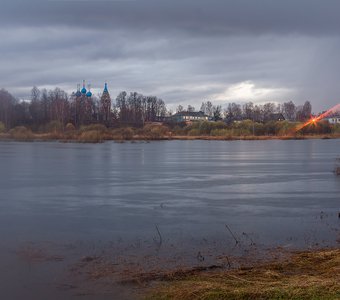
172,199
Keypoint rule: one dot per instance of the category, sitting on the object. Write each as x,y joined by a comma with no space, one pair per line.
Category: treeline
136,109
257,113
55,106
247,128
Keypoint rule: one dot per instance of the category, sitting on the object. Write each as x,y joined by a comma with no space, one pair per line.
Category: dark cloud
184,51
196,16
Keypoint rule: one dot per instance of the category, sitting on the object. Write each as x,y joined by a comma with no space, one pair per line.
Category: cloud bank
184,51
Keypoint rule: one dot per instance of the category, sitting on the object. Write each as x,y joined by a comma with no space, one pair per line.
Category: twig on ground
236,240
160,236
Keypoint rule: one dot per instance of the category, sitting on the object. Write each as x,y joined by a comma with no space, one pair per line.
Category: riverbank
302,275
97,133
95,137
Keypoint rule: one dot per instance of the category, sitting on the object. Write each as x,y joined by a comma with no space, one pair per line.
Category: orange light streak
314,120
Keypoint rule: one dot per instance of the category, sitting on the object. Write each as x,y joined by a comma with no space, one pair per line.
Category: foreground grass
305,275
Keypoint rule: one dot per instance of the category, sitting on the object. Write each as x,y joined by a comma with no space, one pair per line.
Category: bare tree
217,112
289,110
179,108
248,110
207,108
190,108
268,110
233,112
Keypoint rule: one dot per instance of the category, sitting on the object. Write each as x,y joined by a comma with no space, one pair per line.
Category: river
184,200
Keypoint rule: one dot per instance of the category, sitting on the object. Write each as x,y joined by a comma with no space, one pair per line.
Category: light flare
315,120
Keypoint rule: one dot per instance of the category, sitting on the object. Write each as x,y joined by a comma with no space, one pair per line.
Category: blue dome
105,88
89,94
78,93
83,90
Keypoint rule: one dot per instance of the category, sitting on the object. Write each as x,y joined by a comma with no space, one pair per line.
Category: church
86,109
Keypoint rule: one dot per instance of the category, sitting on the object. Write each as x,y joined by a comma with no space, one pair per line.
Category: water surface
95,197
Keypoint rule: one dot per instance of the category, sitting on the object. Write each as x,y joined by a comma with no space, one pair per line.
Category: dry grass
253,138
21,133
97,133
305,275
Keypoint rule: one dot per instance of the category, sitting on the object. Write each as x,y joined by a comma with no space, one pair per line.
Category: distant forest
128,109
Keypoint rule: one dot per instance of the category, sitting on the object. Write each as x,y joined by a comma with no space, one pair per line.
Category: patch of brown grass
305,275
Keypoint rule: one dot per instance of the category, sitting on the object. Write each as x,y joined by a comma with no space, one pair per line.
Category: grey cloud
195,16
183,51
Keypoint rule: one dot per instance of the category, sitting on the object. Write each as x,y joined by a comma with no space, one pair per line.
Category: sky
184,52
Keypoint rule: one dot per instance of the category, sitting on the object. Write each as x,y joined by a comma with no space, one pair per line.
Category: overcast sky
185,51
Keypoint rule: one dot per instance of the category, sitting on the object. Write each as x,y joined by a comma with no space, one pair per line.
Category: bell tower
105,104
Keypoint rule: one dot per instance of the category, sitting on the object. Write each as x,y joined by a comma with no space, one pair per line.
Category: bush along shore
243,130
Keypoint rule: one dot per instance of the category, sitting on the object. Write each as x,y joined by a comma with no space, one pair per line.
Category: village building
275,117
333,120
189,116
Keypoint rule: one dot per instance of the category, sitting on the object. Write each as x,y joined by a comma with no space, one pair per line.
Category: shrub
270,128
194,132
336,128
206,127
242,128
155,131
221,132
2,127
178,130
70,127
21,133
91,136
259,128
322,127
98,127
54,126
127,133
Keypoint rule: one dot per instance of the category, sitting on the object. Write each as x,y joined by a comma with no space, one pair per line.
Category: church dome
89,94
78,93
83,90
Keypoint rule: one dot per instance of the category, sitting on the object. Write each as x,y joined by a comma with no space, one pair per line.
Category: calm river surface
170,198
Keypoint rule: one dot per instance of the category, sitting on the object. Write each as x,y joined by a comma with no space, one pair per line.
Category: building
82,105
275,117
188,116
333,120
105,105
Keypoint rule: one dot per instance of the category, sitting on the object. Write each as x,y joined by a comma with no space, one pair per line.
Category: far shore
98,139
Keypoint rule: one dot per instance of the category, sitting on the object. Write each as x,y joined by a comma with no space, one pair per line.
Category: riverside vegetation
55,115
246,129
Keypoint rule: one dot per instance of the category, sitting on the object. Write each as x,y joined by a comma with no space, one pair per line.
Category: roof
190,113
105,88
276,117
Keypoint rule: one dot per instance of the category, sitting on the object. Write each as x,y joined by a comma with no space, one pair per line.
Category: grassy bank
304,275
255,138
128,134
97,133
98,137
